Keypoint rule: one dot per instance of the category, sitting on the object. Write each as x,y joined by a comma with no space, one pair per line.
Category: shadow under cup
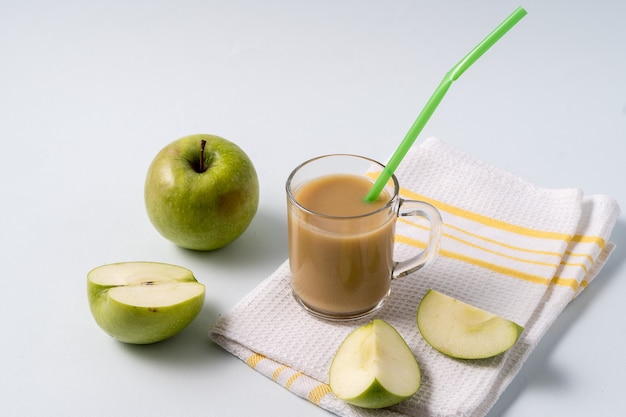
341,247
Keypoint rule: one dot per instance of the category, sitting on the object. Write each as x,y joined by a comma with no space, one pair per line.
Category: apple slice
374,367
143,302
463,331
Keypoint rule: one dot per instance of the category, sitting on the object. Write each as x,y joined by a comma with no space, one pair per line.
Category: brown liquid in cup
341,266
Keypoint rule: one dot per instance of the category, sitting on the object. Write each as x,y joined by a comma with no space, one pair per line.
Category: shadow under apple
265,240
190,348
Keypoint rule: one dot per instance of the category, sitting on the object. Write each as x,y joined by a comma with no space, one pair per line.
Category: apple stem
202,145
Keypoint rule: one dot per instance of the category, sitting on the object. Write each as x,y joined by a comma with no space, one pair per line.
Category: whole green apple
201,192
143,302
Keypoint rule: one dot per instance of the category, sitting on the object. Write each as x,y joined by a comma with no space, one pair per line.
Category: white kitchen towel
508,246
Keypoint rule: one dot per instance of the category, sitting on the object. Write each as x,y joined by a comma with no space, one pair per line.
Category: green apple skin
201,210
151,303
463,331
374,367
376,396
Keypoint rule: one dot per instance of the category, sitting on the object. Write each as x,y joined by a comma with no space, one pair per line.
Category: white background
90,91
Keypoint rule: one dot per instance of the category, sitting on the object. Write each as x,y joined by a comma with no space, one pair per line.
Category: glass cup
341,247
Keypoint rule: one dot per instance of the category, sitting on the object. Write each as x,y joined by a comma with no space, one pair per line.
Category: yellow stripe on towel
254,359
278,371
566,282
292,379
601,243
505,245
317,393
488,221
314,395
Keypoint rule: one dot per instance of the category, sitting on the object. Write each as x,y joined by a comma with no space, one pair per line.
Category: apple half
374,367
143,302
463,331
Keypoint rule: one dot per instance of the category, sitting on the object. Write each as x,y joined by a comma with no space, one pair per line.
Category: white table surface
90,91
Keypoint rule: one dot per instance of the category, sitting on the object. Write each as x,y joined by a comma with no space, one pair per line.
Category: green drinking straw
435,99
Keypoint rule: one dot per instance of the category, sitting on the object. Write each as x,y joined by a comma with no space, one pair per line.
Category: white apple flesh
374,367
143,302
463,331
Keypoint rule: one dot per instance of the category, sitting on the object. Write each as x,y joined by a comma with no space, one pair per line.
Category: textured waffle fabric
508,246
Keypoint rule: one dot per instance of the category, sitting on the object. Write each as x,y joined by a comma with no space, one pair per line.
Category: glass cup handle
419,208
